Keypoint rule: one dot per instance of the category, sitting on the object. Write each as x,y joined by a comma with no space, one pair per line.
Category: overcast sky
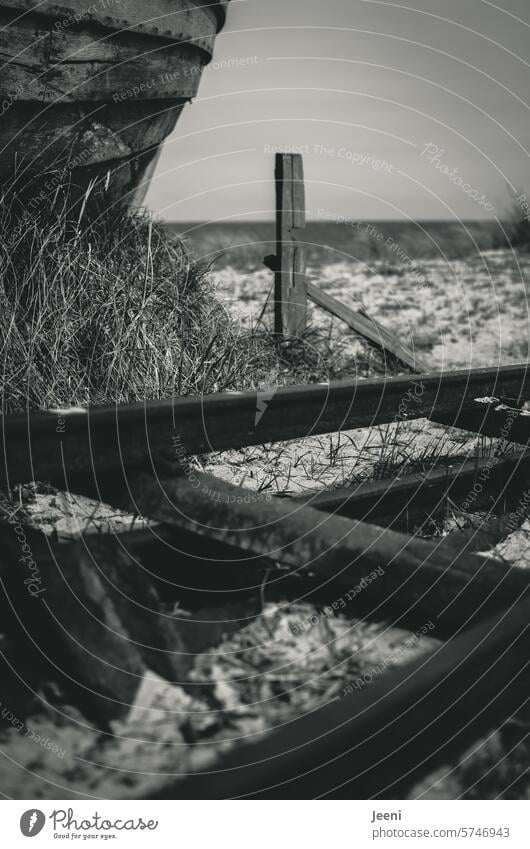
361,87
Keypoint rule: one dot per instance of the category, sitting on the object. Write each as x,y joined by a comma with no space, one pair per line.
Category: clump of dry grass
116,311
517,222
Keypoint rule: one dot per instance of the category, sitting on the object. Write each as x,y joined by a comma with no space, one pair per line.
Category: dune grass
518,222
115,312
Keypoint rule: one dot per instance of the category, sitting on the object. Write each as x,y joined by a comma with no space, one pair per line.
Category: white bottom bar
262,825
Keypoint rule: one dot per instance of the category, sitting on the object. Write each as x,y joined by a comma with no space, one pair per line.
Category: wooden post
290,293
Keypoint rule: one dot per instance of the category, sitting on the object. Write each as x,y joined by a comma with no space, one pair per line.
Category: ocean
242,246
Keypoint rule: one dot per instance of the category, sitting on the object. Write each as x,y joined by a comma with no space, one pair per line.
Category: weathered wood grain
290,297
77,137
174,20
49,66
72,87
378,740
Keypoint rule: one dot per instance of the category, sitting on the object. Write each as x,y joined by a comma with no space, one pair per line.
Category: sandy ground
458,314
465,313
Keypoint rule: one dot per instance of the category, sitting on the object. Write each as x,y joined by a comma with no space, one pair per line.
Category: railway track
480,606
378,741
89,447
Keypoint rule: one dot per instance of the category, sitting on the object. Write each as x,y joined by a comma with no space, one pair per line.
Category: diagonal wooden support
378,740
290,297
419,580
367,327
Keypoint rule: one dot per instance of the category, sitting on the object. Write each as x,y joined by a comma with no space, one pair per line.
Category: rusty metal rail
97,447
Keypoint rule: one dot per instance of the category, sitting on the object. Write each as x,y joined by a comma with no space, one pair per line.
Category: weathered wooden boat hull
88,94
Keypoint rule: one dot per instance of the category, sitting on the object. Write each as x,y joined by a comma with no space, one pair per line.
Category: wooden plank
60,136
169,20
290,298
378,740
91,449
367,327
426,493
73,65
490,417
183,567
93,613
419,579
